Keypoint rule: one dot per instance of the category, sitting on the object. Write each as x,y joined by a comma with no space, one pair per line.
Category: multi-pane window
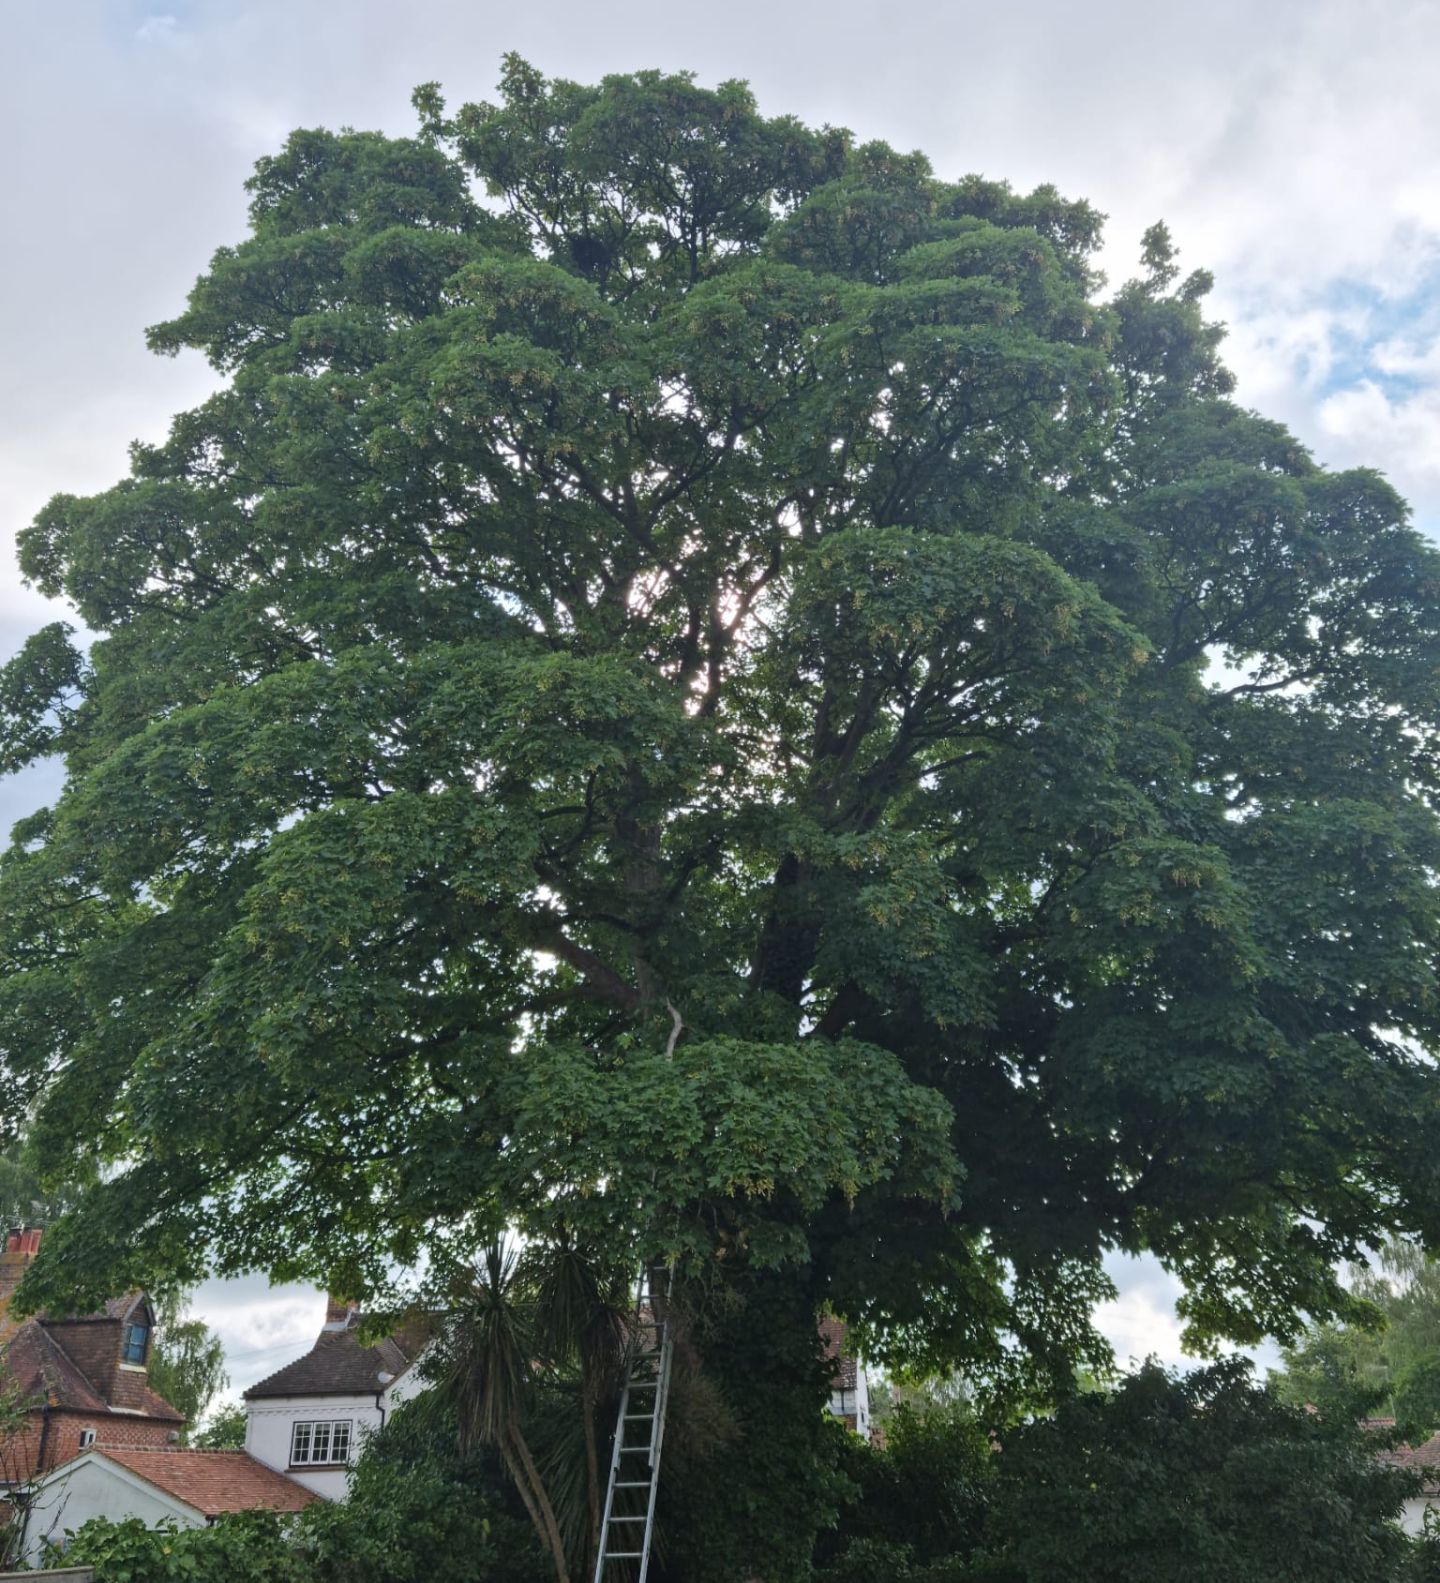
320,1444
137,1340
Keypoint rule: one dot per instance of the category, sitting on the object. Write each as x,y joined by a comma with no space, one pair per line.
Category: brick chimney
339,1312
21,1246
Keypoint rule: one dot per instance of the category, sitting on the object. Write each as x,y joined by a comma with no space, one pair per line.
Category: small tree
1387,1358
522,1323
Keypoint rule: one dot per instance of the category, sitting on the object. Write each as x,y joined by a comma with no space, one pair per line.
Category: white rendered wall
268,1425
90,1487
1412,1514
858,1402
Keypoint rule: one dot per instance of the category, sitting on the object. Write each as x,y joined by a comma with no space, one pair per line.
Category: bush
257,1547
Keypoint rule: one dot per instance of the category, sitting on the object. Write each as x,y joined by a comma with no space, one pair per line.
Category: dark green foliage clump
1203,1478
1175,1480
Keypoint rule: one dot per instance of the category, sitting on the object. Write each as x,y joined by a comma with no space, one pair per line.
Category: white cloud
1141,1321
1399,433
157,30
262,1327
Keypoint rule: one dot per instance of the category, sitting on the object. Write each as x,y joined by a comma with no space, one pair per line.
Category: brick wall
20,1453
130,1386
137,1434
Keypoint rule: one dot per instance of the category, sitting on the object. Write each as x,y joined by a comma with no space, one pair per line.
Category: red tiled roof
213,1481
1424,1458
43,1371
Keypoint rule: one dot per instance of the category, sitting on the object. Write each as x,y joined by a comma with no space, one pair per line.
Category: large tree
723,698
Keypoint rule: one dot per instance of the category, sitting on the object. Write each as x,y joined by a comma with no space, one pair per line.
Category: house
1423,1459
849,1385
84,1380
310,1418
188,1488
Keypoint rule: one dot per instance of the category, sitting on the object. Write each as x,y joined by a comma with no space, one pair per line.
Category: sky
1293,149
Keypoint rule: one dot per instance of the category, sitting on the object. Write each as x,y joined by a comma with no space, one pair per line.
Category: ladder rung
632,1484
648,1417
625,1555
640,1519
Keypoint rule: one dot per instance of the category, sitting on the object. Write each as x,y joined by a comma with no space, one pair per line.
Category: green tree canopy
23,1201
1387,1357
725,700
1175,1480
224,1429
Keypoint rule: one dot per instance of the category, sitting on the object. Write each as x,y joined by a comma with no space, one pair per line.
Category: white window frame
87,1439
306,1450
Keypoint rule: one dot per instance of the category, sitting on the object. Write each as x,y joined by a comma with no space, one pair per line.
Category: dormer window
137,1340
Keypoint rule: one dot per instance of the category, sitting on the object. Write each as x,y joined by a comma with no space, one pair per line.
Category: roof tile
213,1481
338,1365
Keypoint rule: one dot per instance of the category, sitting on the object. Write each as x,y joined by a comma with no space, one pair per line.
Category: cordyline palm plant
527,1322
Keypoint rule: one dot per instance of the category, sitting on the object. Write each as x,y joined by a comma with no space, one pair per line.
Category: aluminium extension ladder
629,1522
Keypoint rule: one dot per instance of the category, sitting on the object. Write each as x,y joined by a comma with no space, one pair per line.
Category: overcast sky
1293,148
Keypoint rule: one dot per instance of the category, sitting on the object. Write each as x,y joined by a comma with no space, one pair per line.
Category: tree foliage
1207,1476
224,1430
187,1363
23,1200
1387,1358
722,702
1202,1478
1197,1479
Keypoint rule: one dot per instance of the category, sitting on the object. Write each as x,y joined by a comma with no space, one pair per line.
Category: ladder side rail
610,1483
657,1434
659,1356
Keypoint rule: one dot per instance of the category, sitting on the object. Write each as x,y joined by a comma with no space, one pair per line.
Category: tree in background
187,1359
678,709
1386,1360
918,1505
224,1430
23,1200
